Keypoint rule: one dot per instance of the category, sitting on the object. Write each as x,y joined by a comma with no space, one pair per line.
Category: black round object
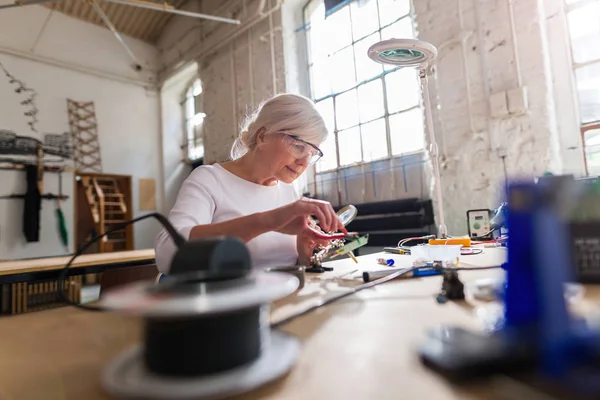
211,259
193,347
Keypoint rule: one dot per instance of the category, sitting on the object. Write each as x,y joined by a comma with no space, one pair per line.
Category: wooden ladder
108,208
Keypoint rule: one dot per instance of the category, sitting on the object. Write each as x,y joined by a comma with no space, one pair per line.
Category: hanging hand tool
62,225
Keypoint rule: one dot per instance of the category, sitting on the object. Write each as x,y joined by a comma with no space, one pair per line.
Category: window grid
193,146
335,94
587,123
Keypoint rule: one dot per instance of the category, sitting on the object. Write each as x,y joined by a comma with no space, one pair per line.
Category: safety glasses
301,149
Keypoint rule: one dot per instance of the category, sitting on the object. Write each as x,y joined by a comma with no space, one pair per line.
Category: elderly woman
252,197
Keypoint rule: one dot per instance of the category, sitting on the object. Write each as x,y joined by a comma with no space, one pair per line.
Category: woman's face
288,156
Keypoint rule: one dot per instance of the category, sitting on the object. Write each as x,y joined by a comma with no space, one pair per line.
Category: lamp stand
433,151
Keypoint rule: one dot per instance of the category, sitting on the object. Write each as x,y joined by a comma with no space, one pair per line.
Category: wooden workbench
362,347
83,262
32,284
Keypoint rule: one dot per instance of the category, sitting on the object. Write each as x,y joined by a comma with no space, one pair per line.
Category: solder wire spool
205,338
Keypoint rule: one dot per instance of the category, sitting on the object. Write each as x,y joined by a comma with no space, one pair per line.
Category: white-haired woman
252,197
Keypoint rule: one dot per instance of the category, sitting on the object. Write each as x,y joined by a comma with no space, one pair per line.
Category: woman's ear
261,137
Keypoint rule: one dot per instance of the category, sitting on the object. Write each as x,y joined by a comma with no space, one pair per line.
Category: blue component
389,262
426,271
540,262
520,295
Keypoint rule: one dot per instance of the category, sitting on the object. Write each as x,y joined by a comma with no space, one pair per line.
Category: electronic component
419,272
338,246
452,287
478,224
395,250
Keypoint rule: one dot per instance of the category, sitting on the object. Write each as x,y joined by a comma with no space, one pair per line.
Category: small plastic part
463,241
436,253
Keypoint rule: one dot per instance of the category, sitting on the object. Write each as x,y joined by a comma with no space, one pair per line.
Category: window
373,111
583,18
194,119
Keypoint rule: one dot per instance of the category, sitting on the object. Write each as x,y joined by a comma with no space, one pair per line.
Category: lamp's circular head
403,52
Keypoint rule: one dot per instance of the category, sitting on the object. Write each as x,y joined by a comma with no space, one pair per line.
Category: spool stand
206,327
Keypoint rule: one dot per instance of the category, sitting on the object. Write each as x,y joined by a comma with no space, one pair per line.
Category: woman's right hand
293,219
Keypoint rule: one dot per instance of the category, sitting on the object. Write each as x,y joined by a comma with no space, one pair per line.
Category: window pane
370,99
190,132
346,110
588,88
584,28
349,144
402,89
406,131
319,80
317,47
592,150
197,88
398,30
391,10
364,18
374,140
189,108
365,67
325,108
339,32
329,159
342,70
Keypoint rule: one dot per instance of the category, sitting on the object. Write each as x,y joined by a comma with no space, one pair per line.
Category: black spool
203,345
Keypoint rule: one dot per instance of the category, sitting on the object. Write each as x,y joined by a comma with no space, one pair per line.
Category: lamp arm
434,153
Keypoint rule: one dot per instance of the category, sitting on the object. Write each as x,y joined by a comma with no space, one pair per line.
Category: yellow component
353,257
466,242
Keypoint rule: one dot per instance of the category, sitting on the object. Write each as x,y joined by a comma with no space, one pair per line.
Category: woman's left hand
306,245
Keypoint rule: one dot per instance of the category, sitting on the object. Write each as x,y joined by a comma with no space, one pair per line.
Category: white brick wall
239,65
486,61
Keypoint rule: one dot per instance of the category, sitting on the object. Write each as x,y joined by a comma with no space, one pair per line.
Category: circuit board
348,247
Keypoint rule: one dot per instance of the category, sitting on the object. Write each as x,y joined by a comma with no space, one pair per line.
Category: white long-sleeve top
212,194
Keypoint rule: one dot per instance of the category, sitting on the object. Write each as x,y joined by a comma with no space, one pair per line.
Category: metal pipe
442,230
29,3
145,83
178,12
112,28
513,33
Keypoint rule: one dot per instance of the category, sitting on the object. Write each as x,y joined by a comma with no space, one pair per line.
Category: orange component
466,242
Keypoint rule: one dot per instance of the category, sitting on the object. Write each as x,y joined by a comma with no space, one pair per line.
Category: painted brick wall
479,57
239,65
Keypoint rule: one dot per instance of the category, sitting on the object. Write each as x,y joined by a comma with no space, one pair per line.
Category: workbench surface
86,260
362,347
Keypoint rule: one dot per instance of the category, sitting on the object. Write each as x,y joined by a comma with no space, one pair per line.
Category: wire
177,238
342,295
368,285
470,251
403,242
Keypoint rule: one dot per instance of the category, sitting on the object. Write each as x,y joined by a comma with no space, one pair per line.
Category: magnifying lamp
418,54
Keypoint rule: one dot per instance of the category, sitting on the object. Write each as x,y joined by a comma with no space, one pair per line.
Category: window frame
189,95
588,125
381,76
